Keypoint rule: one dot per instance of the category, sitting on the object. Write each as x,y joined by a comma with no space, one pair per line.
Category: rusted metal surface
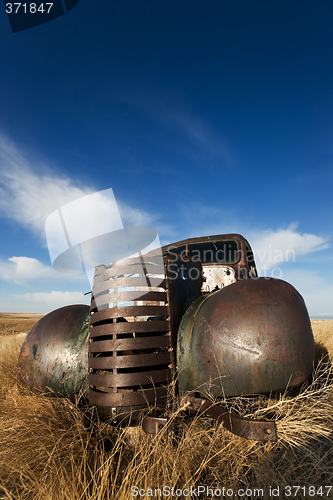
130,349
253,336
133,343
257,430
218,276
129,379
118,313
131,346
225,258
137,327
132,398
127,361
54,355
222,248
124,282
196,311
184,282
153,425
123,268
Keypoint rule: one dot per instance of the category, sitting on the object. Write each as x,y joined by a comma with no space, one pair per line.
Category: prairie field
52,448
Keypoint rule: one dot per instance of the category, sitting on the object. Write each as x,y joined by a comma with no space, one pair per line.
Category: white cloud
272,248
29,191
26,270
54,299
135,217
23,270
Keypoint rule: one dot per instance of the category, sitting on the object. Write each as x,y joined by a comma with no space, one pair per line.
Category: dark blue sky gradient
227,104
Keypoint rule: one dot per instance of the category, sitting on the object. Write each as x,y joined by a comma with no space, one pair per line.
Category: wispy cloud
274,247
137,217
26,271
132,216
270,245
30,191
197,134
200,132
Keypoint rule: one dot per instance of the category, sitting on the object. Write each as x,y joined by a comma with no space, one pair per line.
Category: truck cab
225,258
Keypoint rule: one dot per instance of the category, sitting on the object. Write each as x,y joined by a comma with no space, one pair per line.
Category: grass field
51,449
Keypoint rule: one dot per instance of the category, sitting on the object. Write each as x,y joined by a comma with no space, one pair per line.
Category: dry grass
51,448
16,323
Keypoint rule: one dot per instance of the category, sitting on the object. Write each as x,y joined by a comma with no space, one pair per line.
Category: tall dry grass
52,448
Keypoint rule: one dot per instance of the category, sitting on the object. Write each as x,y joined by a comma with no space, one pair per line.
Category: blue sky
203,117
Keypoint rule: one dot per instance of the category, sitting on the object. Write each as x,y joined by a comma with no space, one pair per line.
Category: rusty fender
253,336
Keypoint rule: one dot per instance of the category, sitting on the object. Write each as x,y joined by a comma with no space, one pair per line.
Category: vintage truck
190,319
